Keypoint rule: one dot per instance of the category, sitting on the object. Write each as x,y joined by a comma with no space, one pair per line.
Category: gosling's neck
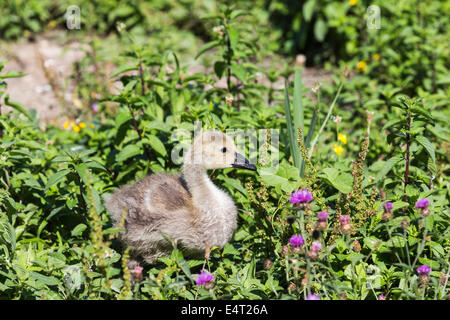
198,182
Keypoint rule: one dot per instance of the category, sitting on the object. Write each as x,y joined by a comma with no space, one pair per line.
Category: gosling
186,208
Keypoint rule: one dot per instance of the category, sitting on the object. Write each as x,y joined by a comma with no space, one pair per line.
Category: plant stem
445,283
330,110
141,75
1,127
228,61
408,142
422,244
136,127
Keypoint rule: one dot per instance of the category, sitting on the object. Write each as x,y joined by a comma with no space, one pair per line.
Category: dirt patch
48,63
48,67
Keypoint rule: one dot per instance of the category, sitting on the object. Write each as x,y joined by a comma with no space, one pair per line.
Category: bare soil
48,63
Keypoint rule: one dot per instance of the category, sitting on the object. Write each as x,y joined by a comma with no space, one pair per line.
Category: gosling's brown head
215,150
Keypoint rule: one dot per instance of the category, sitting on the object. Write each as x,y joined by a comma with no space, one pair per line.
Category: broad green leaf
56,177
235,184
396,241
320,30
156,144
78,230
308,9
122,117
234,37
219,68
341,181
389,164
47,280
437,249
373,243
129,151
428,146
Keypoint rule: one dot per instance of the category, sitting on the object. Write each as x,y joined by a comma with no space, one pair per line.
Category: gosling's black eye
223,149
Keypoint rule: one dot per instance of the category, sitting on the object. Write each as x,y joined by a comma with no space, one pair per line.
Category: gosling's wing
150,200
167,194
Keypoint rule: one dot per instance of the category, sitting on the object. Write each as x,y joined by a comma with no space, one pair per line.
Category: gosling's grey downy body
188,208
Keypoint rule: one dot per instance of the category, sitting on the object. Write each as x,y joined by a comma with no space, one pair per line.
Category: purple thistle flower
323,216
422,203
424,269
312,296
95,107
381,297
344,219
316,246
296,241
138,269
301,196
388,206
204,277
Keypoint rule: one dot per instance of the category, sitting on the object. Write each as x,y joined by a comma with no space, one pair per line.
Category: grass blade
298,117
292,138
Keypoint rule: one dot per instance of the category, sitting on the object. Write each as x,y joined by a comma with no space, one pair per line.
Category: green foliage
57,240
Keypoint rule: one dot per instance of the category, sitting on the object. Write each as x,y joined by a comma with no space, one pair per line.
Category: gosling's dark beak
242,162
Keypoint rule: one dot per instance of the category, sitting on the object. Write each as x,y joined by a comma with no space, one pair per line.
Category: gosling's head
215,150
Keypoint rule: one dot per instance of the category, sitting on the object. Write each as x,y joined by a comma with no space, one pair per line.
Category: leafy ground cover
350,200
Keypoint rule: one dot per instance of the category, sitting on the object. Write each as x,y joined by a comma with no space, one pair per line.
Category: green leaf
428,146
235,184
156,144
129,151
12,74
219,68
78,230
122,117
237,13
298,116
308,9
7,234
372,242
123,69
341,181
17,106
320,30
295,151
437,249
47,280
389,164
239,72
207,47
56,177
234,37
396,241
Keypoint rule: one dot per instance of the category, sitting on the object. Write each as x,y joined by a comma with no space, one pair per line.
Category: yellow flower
342,138
338,149
76,128
82,125
52,24
66,124
91,125
361,66
353,2
376,57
